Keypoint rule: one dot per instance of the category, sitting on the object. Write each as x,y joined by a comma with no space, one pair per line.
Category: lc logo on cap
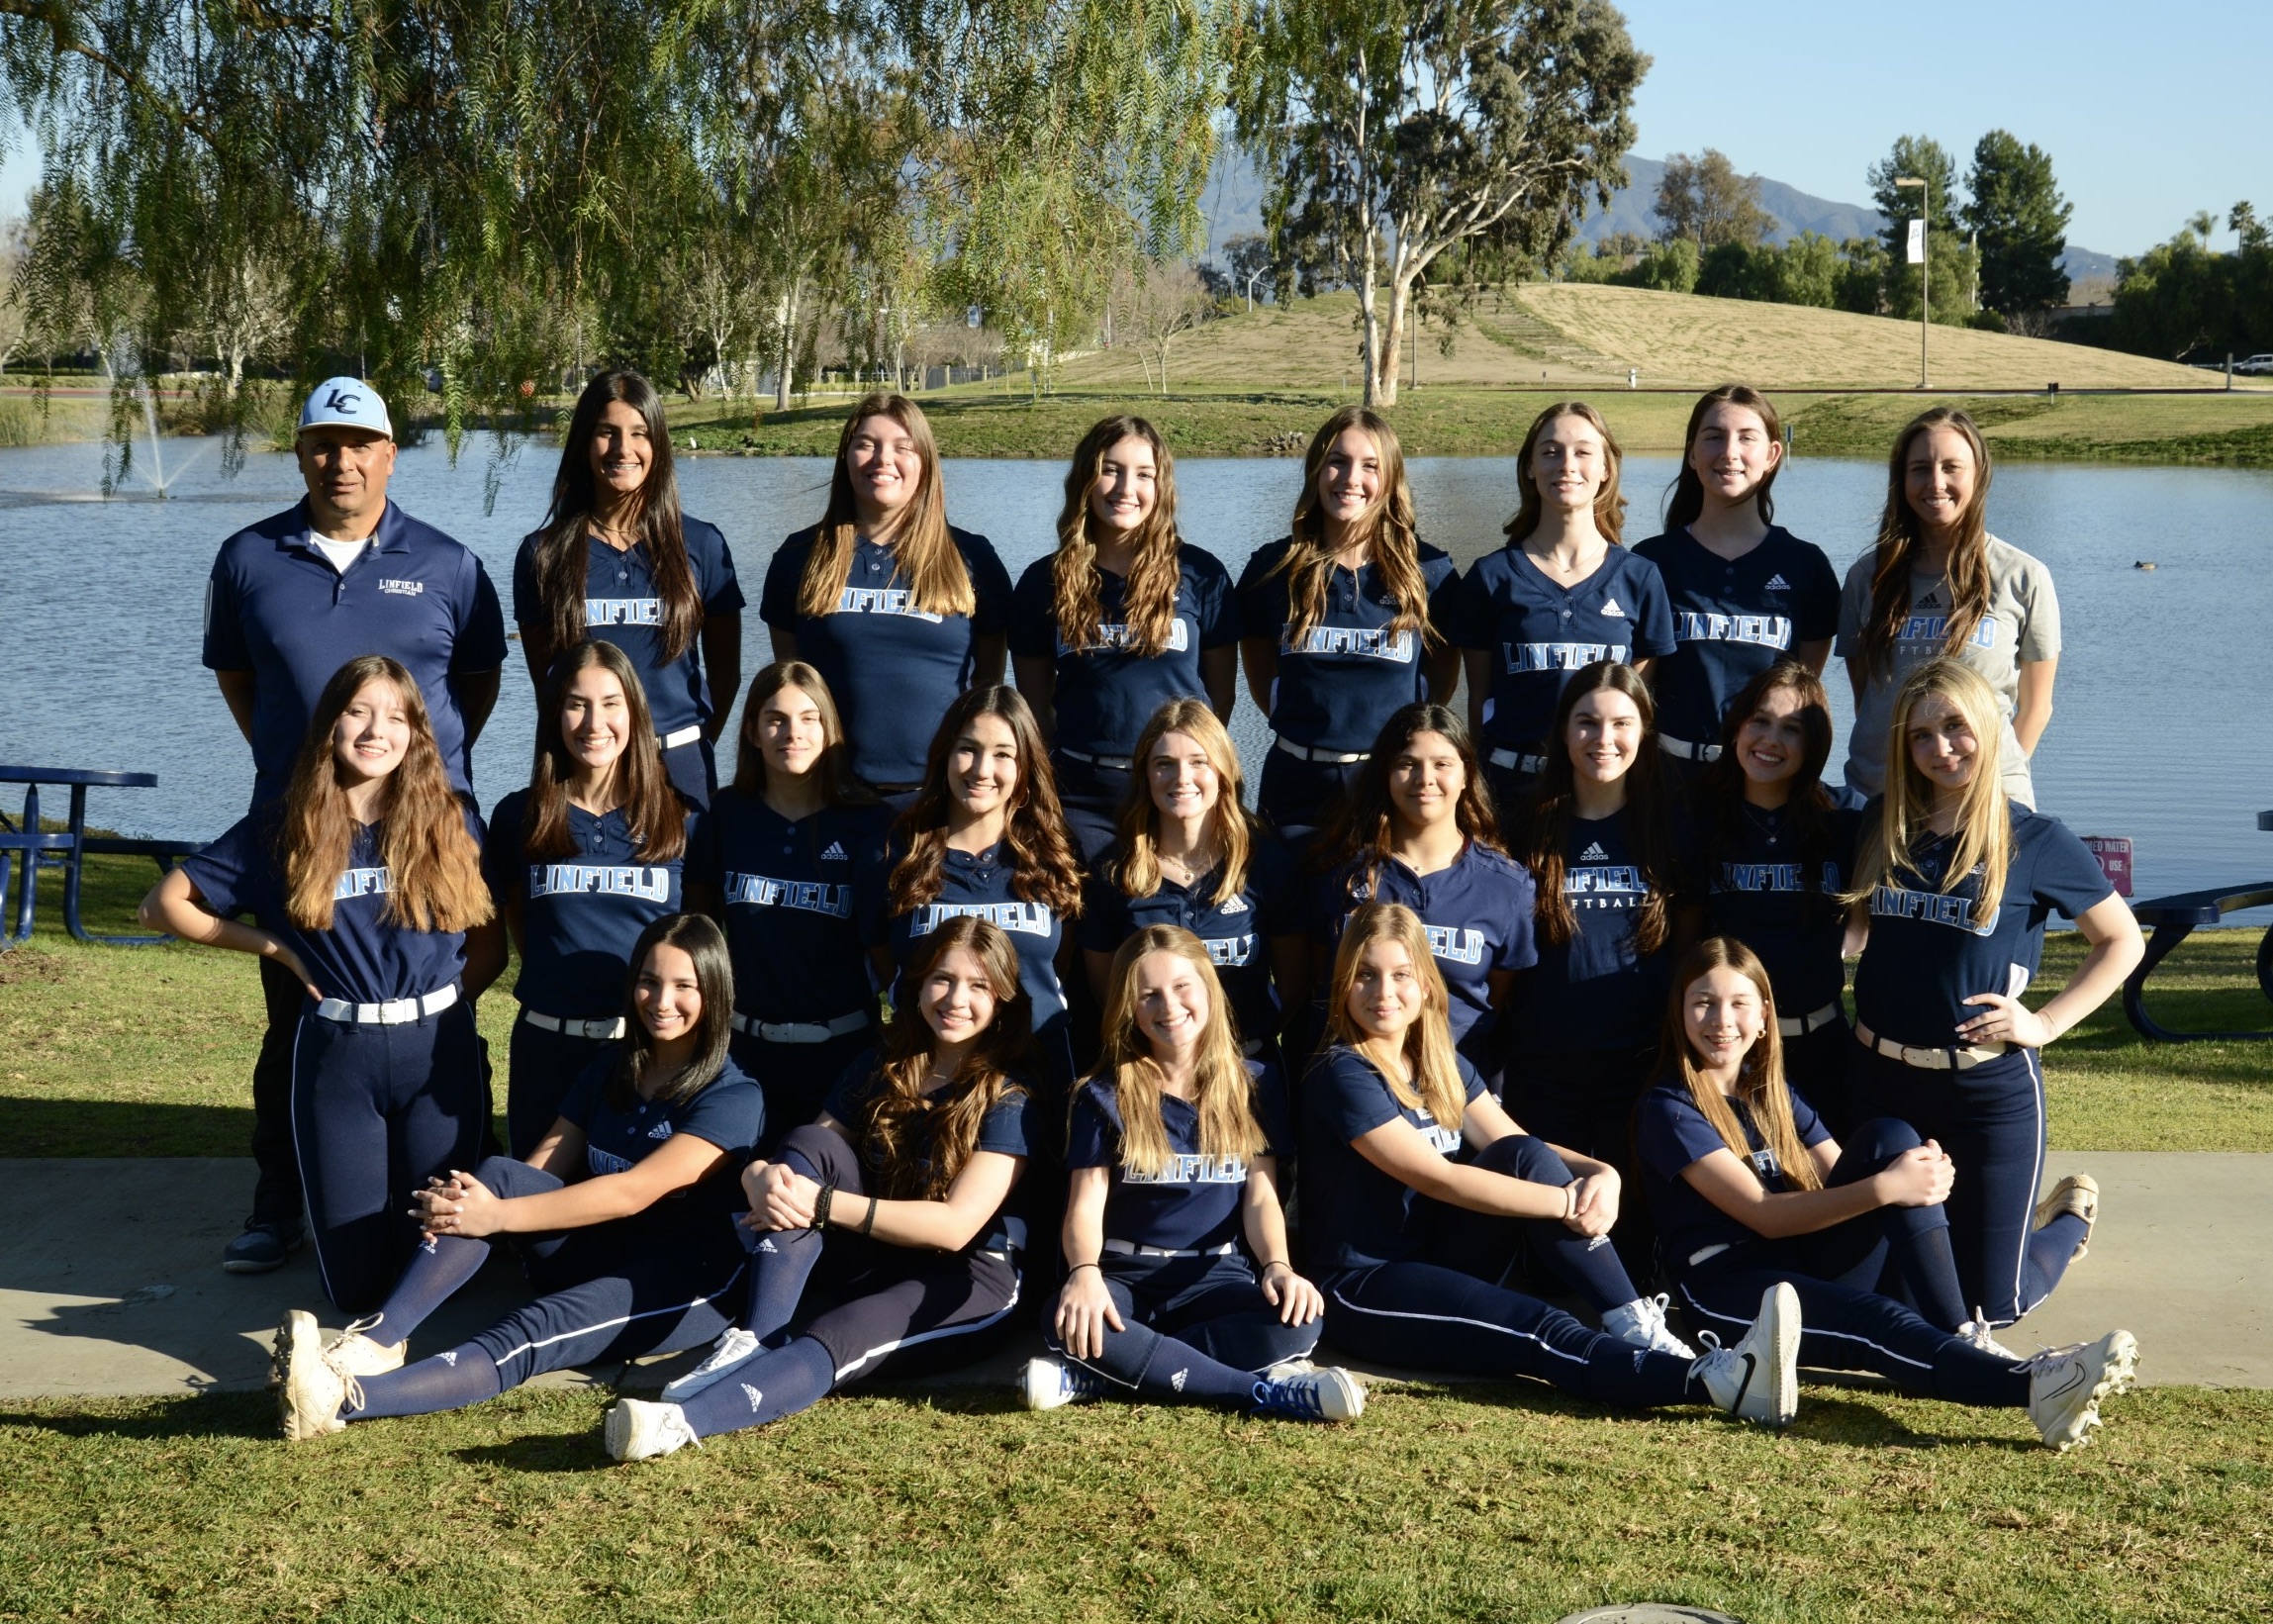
348,402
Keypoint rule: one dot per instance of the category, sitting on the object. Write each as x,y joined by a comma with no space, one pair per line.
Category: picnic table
70,846
2176,917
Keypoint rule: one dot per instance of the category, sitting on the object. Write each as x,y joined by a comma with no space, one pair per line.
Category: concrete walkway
109,1283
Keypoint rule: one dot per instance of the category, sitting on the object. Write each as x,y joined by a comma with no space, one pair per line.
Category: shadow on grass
194,1415
547,1453
41,1125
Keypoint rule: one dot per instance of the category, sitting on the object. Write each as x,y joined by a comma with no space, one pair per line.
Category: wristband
1570,1208
821,1205
868,1225
1098,1267
1278,1263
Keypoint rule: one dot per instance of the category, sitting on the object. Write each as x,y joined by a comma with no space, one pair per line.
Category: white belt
1704,1252
1686,751
1130,1249
1517,760
1112,764
799,1031
685,735
393,1012
1801,1025
1335,758
1931,1060
612,1027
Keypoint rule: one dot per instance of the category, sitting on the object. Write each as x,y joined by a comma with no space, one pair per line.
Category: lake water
2163,729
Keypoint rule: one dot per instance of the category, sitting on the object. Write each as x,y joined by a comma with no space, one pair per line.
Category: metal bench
69,846
2173,919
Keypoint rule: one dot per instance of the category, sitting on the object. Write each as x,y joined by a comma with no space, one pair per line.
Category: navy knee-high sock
1589,1266
1964,1375
1929,1268
774,1384
2050,1250
437,1270
1177,1369
780,1262
448,1380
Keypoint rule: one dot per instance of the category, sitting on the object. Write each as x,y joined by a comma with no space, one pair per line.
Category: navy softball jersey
789,890
1350,673
1732,619
728,1111
1194,1206
1539,632
977,885
1237,930
1758,891
1670,1134
1927,950
622,606
1354,1214
1596,990
581,915
276,607
1003,1129
1106,693
893,668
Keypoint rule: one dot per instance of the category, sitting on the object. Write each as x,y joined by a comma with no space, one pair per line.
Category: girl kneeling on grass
1751,1191
1411,1237
625,1209
911,1164
1173,1159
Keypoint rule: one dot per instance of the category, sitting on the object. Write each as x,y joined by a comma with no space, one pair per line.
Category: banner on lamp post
1918,242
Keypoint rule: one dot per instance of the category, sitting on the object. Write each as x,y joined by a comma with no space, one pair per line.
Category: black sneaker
262,1247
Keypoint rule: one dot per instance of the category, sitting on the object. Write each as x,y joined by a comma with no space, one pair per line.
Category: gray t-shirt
2021,625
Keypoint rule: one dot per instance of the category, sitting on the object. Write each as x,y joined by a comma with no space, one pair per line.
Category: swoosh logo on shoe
1752,1368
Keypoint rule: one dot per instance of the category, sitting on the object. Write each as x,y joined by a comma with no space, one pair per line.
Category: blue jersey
728,1111
1237,931
1106,693
1734,618
622,606
1195,1204
1478,913
1539,632
1758,890
892,667
1929,951
978,886
363,957
1354,1214
1001,1130
1596,991
581,915
788,891
1671,1134
276,607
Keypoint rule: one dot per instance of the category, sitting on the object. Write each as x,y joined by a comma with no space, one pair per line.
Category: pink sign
2113,854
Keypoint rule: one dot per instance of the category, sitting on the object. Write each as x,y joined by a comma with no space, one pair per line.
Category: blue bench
2173,919
69,847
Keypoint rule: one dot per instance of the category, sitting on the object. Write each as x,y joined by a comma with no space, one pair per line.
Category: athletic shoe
2079,1192
1642,1325
1974,1333
1047,1383
1757,1380
310,1390
638,1430
262,1247
1288,1368
357,1353
1328,1395
2066,1385
735,1347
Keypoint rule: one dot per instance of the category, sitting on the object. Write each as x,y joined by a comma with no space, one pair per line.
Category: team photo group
1495,1021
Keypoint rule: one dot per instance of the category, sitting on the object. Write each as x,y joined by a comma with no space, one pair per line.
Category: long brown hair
1717,795
651,806
1545,831
1901,537
1147,604
1760,1078
1436,1087
939,580
1366,822
561,551
434,866
1984,820
1223,1092
840,786
983,1078
1043,868
1688,498
1609,501
700,939
1136,871
1393,542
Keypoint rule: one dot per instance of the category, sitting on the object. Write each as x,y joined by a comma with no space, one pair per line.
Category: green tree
1917,157
1668,268
2021,220
1863,265
1706,200
1738,271
1807,271
2186,301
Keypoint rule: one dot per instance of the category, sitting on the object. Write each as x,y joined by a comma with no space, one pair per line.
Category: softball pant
541,1066
1299,798
1181,1313
1585,1101
796,1077
1091,794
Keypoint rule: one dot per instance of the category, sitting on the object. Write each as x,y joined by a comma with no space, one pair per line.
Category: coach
293,597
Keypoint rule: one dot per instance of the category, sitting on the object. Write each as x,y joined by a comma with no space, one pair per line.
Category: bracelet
1278,1263
1570,1207
868,1225
1073,1268
821,1205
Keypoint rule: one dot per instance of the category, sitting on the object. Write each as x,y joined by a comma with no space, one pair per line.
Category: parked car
2255,366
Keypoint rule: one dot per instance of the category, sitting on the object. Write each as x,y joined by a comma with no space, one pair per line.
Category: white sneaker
2079,1192
1642,1325
1048,1383
1757,1380
734,1347
637,1429
310,1389
1975,1333
1288,1369
357,1353
1330,1394
2066,1385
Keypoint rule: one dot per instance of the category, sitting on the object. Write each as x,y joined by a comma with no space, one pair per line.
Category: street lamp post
1251,281
1925,264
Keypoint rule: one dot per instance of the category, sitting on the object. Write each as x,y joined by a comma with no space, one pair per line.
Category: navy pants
1091,797
276,1196
1299,798
540,1067
1511,789
1847,1324
1816,1068
1585,1101
1991,1122
1211,1306
376,1112
694,772
796,1077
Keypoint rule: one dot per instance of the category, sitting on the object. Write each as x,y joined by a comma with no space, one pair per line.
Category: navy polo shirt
1538,634
1670,1134
1928,951
980,886
1356,1215
276,607
892,668
789,899
728,1111
622,606
1195,1204
364,957
1479,913
1001,1130
1757,889
581,915
1237,931
1105,694
1734,618
1596,991
1351,674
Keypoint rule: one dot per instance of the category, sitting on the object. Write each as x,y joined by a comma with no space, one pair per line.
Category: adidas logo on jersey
754,1396
1594,853
1776,583
835,853
661,1130
1611,610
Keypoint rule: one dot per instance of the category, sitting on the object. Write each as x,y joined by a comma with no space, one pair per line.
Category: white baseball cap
347,401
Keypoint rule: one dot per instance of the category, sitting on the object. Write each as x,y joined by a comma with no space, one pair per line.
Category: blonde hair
1901,537
1391,538
1609,501
1436,1087
1148,605
1137,871
1224,1092
1984,821
938,580
1760,1079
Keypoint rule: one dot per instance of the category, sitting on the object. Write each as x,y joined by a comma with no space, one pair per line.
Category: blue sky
2149,111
